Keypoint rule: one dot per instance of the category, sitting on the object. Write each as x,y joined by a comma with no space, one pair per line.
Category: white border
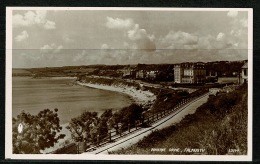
8,99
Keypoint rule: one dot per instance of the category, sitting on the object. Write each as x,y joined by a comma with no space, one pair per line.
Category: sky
51,38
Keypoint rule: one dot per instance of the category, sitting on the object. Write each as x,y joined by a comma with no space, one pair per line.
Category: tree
38,131
84,127
103,123
130,114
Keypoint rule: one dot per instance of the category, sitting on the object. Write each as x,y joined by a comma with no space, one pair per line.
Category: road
134,137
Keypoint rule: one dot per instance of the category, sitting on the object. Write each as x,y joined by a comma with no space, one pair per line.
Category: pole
110,135
129,127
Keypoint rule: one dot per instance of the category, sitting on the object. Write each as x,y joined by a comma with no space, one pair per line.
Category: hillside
217,127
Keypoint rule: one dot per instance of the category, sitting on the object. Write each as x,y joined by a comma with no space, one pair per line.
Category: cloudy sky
72,37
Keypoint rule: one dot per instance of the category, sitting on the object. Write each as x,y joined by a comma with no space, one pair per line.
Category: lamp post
109,129
119,128
109,133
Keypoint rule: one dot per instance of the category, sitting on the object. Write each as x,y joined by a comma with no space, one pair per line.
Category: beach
139,96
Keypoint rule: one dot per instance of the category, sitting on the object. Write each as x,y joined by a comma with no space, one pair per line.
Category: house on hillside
128,72
140,74
244,73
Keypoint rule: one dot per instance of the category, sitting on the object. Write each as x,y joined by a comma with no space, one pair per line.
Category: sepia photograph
129,83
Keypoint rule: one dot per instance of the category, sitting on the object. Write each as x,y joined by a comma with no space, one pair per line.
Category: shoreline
139,96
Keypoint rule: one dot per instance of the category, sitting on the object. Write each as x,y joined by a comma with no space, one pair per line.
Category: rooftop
245,65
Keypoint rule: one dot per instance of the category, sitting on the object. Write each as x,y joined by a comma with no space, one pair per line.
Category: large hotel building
193,73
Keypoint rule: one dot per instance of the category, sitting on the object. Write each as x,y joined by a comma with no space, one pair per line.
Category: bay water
34,95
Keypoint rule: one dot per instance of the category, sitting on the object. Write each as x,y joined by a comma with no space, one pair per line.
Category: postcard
160,84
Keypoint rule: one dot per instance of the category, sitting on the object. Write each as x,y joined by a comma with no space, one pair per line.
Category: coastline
139,96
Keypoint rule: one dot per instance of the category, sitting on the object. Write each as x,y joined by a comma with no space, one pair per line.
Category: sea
33,95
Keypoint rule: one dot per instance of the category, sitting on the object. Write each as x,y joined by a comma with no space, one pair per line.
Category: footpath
133,137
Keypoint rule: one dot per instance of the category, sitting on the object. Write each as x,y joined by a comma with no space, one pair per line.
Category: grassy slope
216,126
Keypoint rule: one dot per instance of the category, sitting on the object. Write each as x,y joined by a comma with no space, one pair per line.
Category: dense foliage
91,128
167,99
37,132
83,127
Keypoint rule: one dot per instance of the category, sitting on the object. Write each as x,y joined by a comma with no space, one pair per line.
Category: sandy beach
140,97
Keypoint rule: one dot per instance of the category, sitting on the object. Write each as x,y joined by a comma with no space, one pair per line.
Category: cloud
119,23
220,37
138,36
53,48
179,40
126,45
67,39
238,35
232,14
141,38
49,25
104,47
24,35
79,56
58,49
206,42
136,33
33,18
244,22
188,41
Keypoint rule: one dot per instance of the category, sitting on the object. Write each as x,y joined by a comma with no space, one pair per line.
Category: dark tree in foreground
90,128
36,132
84,127
103,123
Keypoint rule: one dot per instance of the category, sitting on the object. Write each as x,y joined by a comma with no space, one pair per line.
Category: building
199,73
178,73
190,73
244,73
151,75
212,77
140,74
128,72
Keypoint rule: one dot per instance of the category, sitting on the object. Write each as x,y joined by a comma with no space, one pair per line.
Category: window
245,72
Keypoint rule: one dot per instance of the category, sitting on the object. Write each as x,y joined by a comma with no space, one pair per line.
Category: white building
192,73
244,73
